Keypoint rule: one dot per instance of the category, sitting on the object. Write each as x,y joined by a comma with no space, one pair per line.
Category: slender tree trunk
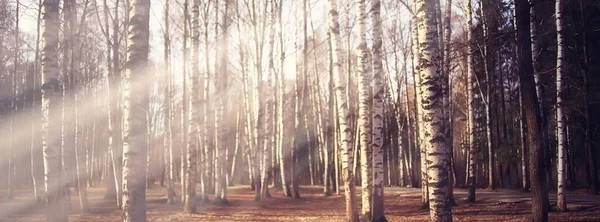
112,73
560,107
447,91
524,150
329,133
184,104
34,113
281,106
238,143
410,129
205,108
377,116
118,148
416,84
268,126
82,174
343,113
364,111
168,113
222,129
13,109
473,151
488,100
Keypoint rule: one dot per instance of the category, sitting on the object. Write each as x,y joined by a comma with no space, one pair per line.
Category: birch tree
36,179
76,76
447,92
343,114
194,116
364,110
472,177
377,115
134,133
434,135
221,124
13,109
281,104
168,113
51,91
560,106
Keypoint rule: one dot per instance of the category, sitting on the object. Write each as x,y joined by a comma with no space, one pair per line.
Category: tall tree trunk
488,100
377,116
222,129
343,113
13,109
536,51
416,84
593,170
434,134
524,150
447,91
268,125
168,112
473,151
410,130
532,115
135,97
185,118
364,111
112,73
51,91
34,113
560,107
194,117
281,106
329,130
205,108
76,77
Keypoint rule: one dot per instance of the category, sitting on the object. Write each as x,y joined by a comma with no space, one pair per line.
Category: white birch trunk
560,108
343,113
434,132
222,124
168,141
377,115
135,95
281,107
472,177
364,110
417,82
51,91
194,117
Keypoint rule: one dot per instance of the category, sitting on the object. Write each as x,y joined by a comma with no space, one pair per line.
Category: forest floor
402,204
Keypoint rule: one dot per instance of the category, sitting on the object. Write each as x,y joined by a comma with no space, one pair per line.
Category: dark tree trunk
533,120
